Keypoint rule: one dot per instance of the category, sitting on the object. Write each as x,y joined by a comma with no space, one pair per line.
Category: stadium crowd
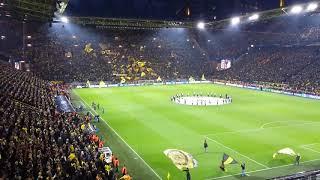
37,142
265,51
296,68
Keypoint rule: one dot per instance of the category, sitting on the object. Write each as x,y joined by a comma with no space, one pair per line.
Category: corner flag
168,176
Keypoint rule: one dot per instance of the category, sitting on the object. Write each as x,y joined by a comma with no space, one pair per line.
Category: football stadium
160,90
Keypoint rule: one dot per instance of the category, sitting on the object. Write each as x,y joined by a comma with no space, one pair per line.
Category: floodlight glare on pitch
235,20
296,9
312,7
64,19
254,17
201,25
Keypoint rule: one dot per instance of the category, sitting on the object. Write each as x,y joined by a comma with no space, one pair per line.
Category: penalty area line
237,152
261,129
310,149
123,140
259,170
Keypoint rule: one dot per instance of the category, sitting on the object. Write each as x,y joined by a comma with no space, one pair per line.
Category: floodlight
312,7
254,17
201,25
29,37
3,37
235,20
296,9
64,19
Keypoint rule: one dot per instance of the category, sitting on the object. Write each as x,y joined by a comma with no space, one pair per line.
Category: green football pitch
142,122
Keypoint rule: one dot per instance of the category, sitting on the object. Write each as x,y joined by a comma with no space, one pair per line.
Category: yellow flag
143,74
88,48
123,80
141,64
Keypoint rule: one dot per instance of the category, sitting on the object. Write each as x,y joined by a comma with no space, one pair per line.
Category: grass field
251,129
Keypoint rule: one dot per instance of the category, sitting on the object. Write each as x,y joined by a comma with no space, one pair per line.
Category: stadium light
254,17
64,19
235,20
296,9
312,7
29,37
3,37
201,25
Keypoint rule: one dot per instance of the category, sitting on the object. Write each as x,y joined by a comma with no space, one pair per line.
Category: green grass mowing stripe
307,146
237,152
122,139
154,117
262,128
265,169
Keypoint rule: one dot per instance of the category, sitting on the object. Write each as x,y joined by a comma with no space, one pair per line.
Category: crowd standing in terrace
37,142
265,51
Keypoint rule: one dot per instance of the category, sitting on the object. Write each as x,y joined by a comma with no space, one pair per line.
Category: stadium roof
45,10
140,23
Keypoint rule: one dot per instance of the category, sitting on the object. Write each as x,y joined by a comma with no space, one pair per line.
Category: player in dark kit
243,169
298,157
187,174
222,166
205,145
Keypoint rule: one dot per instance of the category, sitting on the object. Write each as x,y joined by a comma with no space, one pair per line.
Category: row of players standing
226,98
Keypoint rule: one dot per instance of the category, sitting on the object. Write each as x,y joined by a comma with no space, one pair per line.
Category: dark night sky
166,9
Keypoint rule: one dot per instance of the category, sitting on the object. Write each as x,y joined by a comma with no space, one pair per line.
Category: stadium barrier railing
261,87
108,85
305,175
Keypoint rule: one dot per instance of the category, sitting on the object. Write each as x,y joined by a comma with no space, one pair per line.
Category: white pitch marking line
237,152
309,144
261,129
122,140
276,167
272,122
310,149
